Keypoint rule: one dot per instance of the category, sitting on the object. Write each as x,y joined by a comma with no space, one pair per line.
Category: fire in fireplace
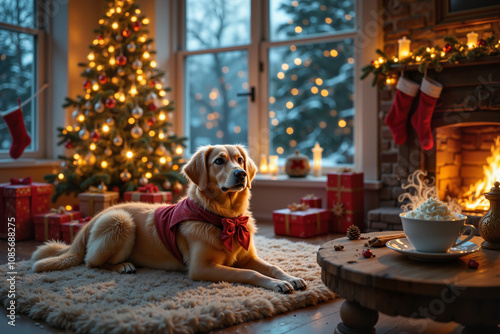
467,164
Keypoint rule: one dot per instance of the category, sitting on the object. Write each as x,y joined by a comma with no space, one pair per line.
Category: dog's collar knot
235,227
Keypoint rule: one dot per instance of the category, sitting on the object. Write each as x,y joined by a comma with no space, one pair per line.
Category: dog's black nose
240,174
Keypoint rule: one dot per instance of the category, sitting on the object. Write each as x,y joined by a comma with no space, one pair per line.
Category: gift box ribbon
341,189
150,188
137,196
25,181
71,231
59,211
287,223
18,182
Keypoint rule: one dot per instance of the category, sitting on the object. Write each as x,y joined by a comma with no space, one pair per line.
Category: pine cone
353,232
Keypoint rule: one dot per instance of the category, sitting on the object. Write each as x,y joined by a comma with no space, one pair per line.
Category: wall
415,20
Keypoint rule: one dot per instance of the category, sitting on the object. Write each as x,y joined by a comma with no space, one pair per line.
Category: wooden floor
318,319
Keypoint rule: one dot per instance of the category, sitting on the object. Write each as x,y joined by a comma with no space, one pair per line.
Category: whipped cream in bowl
433,228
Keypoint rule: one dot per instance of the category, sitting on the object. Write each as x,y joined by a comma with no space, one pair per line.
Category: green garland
452,53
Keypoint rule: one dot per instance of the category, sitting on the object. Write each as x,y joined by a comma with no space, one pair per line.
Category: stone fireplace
465,123
466,119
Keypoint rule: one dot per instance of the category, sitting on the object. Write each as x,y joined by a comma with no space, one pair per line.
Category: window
277,75
21,45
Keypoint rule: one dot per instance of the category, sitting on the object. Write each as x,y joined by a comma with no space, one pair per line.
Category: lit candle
471,39
273,164
263,169
403,47
317,159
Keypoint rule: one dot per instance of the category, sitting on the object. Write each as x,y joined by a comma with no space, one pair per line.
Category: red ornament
473,264
126,32
103,79
121,60
151,121
481,42
367,253
136,25
152,106
68,144
152,83
110,102
87,84
447,48
99,38
95,135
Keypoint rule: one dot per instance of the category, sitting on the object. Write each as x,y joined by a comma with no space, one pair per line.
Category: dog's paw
297,283
125,268
283,287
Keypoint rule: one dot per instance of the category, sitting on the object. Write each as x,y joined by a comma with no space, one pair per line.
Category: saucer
404,246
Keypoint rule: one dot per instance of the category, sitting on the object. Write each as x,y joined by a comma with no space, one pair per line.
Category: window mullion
255,124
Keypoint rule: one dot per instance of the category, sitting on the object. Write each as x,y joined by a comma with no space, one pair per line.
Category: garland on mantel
452,52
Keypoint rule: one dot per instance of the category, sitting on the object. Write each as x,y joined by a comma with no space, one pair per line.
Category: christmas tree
121,135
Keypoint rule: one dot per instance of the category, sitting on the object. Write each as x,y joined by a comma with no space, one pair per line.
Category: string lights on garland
452,52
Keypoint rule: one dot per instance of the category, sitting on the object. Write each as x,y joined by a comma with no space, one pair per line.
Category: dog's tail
56,255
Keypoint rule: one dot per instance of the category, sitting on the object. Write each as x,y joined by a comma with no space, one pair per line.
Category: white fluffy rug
153,301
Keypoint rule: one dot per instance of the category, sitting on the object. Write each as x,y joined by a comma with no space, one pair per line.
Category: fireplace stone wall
471,95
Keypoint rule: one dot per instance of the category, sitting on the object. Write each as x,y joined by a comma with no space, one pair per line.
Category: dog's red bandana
167,217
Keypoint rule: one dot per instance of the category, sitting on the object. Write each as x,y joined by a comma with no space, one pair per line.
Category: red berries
473,264
367,253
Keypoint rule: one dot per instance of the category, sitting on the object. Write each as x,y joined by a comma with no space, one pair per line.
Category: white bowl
436,236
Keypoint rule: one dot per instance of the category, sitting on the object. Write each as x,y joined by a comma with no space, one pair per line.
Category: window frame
367,39
41,48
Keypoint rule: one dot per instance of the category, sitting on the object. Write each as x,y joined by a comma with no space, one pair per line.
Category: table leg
356,319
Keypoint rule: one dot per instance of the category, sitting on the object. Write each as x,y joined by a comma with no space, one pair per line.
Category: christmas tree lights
121,133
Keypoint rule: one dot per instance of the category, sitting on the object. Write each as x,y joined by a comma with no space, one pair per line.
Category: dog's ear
197,168
250,166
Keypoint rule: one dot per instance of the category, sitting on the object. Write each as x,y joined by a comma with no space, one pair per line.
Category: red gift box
155,197
345,198
19,201
48,225
70,229
312,200
302,224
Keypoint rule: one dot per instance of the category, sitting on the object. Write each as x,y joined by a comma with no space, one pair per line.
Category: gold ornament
143,181
118,141
136,131
84,134
125,175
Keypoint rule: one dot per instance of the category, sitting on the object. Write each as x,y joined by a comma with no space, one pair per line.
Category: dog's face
227,168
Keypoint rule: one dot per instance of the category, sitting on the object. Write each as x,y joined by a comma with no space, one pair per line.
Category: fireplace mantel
470,96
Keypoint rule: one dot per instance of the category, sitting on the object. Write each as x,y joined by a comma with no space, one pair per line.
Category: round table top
390,270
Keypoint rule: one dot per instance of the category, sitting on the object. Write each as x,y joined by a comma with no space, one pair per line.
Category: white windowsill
25,163
304,182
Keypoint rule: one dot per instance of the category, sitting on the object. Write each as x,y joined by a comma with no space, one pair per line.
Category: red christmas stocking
430,91
17,129
406,90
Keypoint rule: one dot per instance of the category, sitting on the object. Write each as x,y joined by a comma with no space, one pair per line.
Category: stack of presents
29,204
344,207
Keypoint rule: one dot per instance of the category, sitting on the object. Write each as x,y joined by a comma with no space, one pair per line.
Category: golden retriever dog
209,234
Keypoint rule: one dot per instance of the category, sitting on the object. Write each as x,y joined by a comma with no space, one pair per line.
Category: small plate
404,246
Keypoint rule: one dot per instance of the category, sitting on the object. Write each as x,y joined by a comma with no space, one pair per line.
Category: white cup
436,236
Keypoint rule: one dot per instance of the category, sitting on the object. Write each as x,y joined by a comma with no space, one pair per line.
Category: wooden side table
394,284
